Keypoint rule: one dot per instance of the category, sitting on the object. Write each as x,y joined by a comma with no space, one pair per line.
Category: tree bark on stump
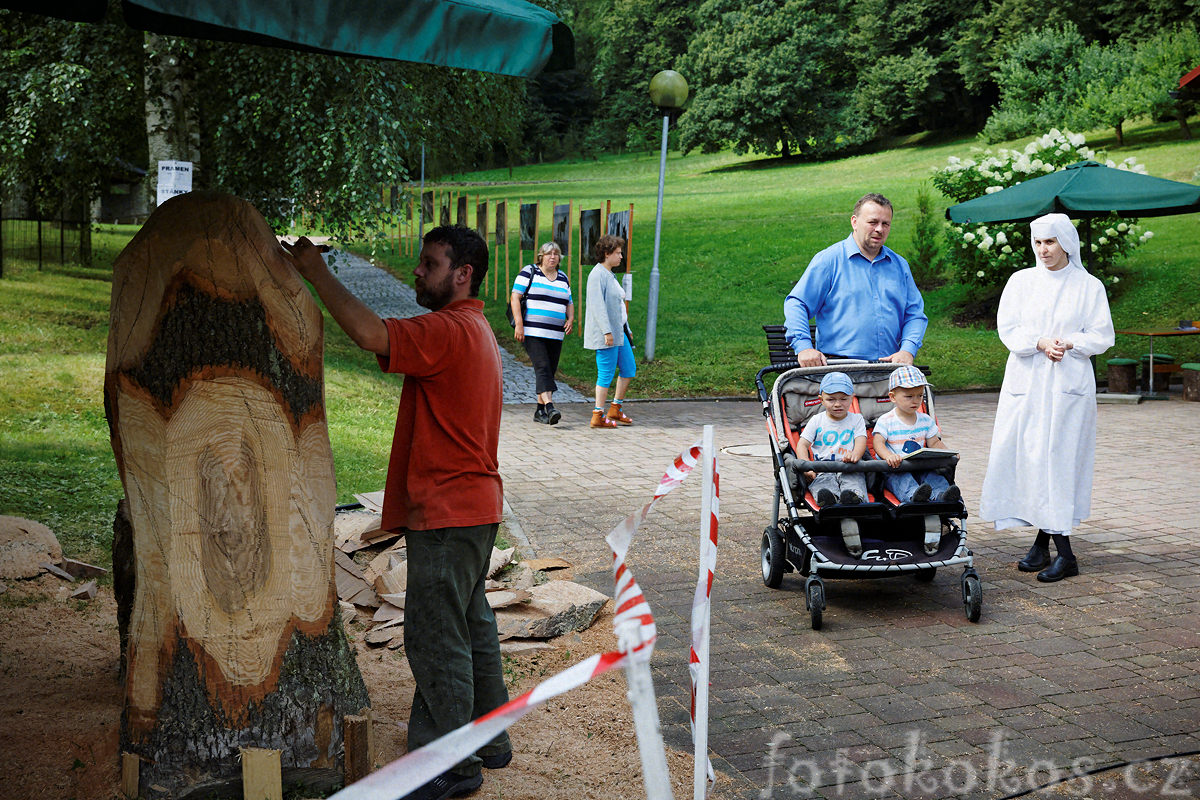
215,401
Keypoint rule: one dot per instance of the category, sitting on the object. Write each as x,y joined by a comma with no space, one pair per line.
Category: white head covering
1057,226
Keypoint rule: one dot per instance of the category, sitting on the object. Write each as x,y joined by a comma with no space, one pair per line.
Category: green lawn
737,233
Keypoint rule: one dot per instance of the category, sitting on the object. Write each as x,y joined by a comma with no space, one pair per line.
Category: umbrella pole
1087,232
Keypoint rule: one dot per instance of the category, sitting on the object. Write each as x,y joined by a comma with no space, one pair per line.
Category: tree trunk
1120,135
1183,123
215,402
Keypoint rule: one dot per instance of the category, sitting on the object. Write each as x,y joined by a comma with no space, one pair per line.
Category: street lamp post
669,92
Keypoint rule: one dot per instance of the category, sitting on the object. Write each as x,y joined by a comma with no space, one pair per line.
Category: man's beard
436,297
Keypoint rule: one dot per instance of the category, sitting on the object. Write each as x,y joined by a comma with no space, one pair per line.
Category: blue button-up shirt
864,309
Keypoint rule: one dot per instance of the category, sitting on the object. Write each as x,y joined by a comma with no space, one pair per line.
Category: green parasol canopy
509,37
1082,191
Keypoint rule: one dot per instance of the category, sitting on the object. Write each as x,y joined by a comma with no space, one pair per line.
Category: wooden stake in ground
215,401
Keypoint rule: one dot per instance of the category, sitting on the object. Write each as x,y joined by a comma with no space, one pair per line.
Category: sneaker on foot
553,415
446,785
923,493
825,498
952,495
849,498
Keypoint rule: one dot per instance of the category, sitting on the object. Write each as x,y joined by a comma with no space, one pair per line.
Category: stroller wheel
772,557
814,597
925,575
972,596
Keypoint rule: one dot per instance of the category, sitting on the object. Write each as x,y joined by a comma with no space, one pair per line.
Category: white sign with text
174,177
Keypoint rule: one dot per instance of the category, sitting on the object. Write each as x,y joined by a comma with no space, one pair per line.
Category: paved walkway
389,297
898,695
1094,671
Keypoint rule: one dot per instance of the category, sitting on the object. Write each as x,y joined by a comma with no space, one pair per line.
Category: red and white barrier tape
698,660
633,622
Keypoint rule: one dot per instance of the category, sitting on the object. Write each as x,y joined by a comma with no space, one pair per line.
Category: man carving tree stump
215,402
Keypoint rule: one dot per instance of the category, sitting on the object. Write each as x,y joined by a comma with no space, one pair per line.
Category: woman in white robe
1052,317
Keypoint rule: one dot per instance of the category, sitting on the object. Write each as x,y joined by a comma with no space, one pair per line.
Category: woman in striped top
549,315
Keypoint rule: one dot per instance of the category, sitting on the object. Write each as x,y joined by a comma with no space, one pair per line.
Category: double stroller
893,538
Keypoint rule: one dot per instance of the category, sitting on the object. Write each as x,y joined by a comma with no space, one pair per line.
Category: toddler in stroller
858,527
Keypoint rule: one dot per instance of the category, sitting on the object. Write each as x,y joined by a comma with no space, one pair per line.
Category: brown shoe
599,420
617,415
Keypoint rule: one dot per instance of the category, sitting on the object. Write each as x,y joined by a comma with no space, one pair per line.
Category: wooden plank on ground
79,569
262,778
130,767
357,734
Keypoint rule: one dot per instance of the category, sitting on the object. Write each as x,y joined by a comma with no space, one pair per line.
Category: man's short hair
871,197
607,245
465,247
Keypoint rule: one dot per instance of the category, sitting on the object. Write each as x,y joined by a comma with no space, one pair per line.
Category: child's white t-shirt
904,438
832,439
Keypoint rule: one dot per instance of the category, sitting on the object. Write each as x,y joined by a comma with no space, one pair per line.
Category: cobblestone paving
1092,672
389,297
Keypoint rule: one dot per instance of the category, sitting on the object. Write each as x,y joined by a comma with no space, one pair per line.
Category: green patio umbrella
510,37
1081,191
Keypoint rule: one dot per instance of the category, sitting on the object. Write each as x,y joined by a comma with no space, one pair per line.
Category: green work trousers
450,637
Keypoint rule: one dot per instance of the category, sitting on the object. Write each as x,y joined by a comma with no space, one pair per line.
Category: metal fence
45,241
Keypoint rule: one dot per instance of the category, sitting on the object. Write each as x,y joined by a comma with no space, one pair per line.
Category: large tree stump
215,402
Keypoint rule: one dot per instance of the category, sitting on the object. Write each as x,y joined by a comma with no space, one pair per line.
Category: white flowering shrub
985,255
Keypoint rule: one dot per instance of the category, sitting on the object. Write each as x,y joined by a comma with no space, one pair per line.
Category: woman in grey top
604,331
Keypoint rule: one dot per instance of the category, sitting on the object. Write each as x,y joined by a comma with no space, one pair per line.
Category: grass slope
739,231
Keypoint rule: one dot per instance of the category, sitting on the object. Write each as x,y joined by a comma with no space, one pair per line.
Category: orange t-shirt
444,471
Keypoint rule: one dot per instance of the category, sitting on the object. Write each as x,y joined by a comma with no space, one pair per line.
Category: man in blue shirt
861,294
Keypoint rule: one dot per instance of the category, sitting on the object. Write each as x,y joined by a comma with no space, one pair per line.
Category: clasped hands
1054,349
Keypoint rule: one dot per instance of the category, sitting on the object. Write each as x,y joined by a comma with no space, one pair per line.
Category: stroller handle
764,395
871,464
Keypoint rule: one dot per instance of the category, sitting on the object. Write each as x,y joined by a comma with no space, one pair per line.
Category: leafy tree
1105,96
988,36
634,41
70,107
284,129
1158,64
771,77
1142,20
908,78
1039,79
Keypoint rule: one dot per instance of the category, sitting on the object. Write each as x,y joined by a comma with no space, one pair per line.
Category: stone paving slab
1088,673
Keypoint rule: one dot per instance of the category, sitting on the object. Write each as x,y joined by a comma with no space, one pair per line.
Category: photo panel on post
618,225
481,219
444,217
529,214
427,207
501,222
589,232
461,216
562,228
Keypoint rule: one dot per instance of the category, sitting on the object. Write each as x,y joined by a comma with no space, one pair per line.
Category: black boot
553,415
540,414
1037,559
1062,567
